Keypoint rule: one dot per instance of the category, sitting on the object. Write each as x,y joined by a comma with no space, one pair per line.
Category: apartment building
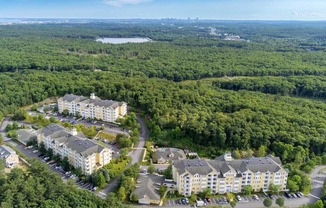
80,151
225,174
9,156
93,107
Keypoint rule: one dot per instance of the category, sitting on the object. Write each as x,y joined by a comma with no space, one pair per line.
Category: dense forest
303,86
40,187
188,111
196,90
190,53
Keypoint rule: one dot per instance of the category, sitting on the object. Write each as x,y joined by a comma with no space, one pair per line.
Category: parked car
219,201
298,194
256,197
271,196
287,195
239,198
208,199
187,200
35,151
183,201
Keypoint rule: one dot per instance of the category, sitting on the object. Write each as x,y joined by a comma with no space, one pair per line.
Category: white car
256,197
239,198
35,151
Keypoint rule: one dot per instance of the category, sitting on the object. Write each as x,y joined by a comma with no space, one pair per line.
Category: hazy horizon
300,10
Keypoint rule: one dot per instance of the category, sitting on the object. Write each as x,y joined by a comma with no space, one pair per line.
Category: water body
123,40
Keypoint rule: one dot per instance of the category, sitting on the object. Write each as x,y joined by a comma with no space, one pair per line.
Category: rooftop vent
74,131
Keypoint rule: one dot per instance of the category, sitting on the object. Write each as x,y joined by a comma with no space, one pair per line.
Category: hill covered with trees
262,95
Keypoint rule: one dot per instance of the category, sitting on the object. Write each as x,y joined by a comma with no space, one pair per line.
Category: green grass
101,143
116,167
107,136
37,120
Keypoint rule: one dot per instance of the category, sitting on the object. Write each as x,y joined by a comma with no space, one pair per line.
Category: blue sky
203,9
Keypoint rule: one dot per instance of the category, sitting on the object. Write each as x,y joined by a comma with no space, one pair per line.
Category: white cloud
123,2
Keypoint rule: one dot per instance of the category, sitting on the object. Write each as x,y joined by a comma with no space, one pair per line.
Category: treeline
189,115
40,187
305,86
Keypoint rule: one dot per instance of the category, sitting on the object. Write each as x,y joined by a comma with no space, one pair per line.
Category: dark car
298,194
271,196
219,201
287,195
183,201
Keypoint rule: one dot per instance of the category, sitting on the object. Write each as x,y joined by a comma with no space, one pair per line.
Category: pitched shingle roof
6,151
78,143
170,154
25,135
50,129
97,101
194,166
260,164
76,98
147,186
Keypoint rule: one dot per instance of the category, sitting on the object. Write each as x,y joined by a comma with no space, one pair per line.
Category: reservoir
123,40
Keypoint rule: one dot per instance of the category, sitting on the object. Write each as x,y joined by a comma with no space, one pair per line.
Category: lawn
116,166
107,136
39,120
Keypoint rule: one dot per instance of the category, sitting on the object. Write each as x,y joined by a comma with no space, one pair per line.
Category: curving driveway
135,154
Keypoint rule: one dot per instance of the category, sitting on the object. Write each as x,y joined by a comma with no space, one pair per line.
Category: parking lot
65,175
246,201
108,127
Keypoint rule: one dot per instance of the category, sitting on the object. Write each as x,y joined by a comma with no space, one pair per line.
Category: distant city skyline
157,9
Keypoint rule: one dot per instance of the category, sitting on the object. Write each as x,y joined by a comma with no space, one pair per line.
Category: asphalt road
3,126
136,156
317,181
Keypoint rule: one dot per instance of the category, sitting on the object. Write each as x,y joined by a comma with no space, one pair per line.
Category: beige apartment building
225,174
80,151
93,107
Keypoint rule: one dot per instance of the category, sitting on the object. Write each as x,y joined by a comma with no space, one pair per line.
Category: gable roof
147,186
170,154
6,151
79,143
254,164
50,129
97,101
72,97
193,166
25,135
